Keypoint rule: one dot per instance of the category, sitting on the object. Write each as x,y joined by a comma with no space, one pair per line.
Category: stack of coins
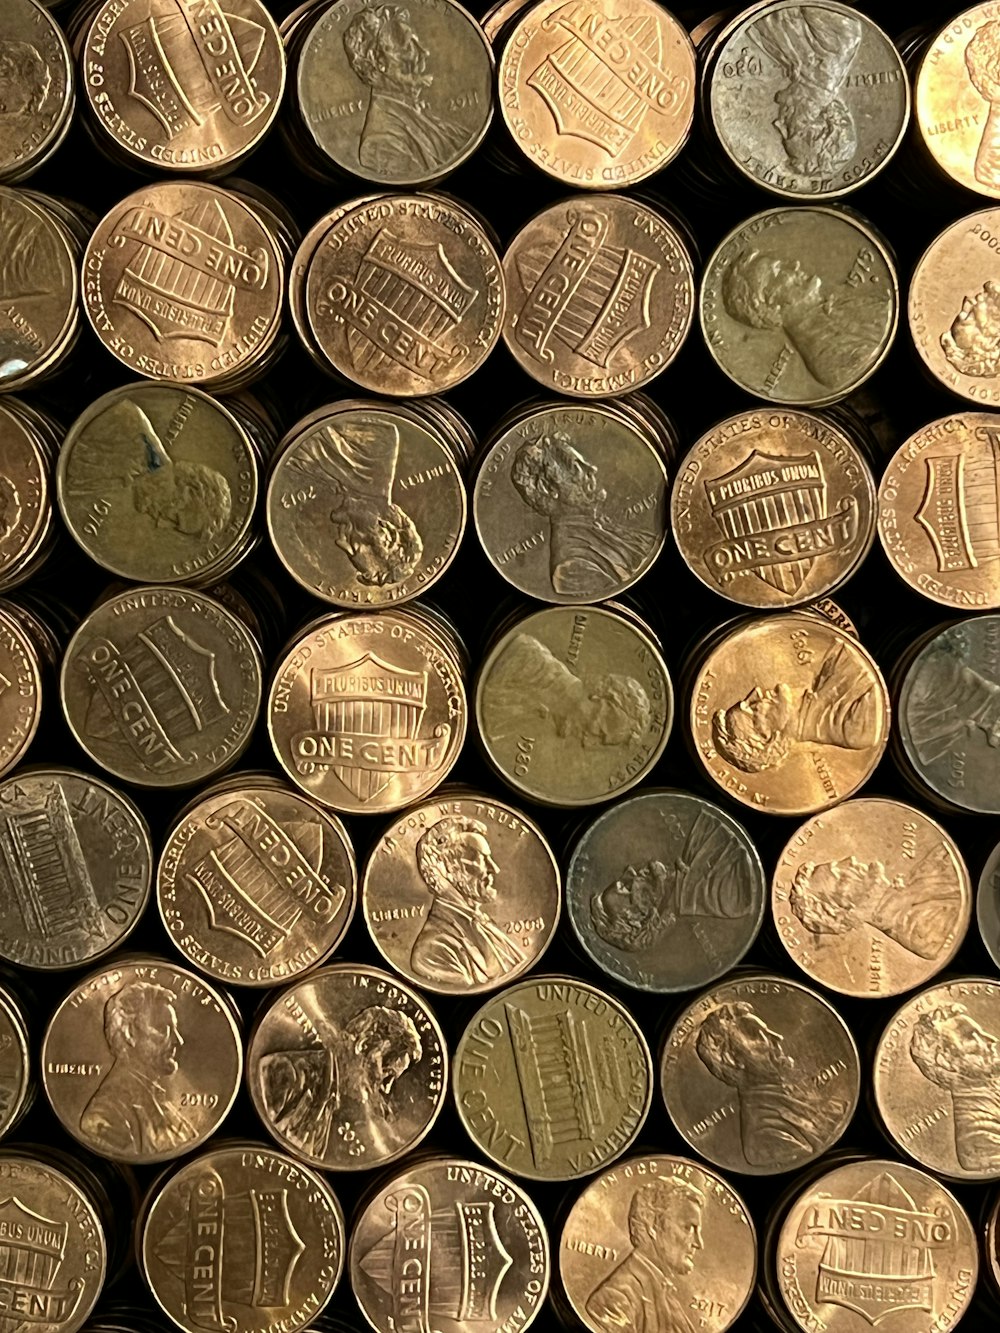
29,444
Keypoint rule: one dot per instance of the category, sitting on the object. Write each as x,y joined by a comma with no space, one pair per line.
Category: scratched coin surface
37,87
598,95
399,97
77,868
600,295
773,509
347,1068
268,1234
665,891
789,714
461,894
256,884
658,1243
800,305
552,1078
871,898
161,686
452,1238
875,1243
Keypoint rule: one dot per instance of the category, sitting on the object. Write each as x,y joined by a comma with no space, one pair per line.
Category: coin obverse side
40,284
20,707
658,1238
38,87
552,1078
16,1079
988,904
876,1243
472,1244
348,1068
462,894
25,493
871,898
273,1234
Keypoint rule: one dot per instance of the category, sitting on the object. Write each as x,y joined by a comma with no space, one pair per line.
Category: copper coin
598,97
871,898
600,295
988,904
161,686
38,88
800,305
348,1068
25,495
180,86
453,1239
789,714
20,689
245,1237
760,1075
956,95
17,1085
39,281
658,1243
774,508
665,891
405,294
461,894
875,1244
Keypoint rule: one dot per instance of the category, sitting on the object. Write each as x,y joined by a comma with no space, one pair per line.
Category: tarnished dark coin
665,891
348,1068
36,88
17,1083
20,689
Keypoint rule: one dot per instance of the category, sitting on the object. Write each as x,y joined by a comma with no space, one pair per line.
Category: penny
954,308
658,1242
38,88
182,87
552,1078
875,1243
570,502
789,714
25,495
760,1075
808,99
871,898
268,1230
665,891
461,894
600,294
988,904
40,285
161,686
21,695
77,868
774,509
183,281
366,505
405,294
452,1238
17,1084
367,712
800,305
598,96
347,1068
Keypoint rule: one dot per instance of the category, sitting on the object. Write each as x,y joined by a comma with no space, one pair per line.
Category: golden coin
600,295
40,284
574,705
461,894
21,702
25,495
267,1231
774,508
598,97
367,713
17,1084
161,686
256,884
658,1243
552,1078
454,1238
875,1244
789,714
38,90
347,1068
956,95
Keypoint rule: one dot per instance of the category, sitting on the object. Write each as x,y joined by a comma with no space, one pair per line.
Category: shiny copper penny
789,714
599,96
461,894
348,1068
600,295
875,1244
871,898
760,1075
20,689
658,1243
268,1232
161,686
800,305
774,508
40,285
37,89
182,87
956,96
453,1238
25,495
